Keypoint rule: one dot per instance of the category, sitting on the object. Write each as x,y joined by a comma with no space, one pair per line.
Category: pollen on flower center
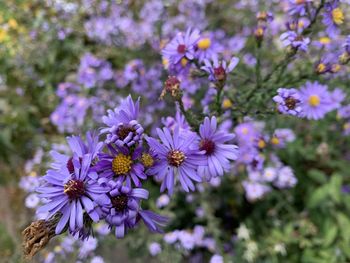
338,16
204,43
275,140
120,202
121,164
220,73
300,2
291,103
147,160
207,145
184,62
124,131
181,48
176,158
74,189
314,100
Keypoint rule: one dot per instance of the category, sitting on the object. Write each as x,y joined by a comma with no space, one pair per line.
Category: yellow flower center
336,68
226,104
121,164
275,140
347,126
165,63
184,62
314,100
338,16
245,131
321,68
176,158
204,43
147,160
299,2
325,40
261,144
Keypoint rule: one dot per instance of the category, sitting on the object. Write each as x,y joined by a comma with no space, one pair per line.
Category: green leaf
317,176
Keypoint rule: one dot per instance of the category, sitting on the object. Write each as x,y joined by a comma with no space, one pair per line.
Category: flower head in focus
217,151
178,159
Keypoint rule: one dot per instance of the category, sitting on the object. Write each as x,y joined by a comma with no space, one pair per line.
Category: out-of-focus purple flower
269,174
281,137
171,237
93,71
217,151
298,42
70,113
216,259
32,200
182,46
333,17
206,47
154,248
97,259
246,133
29,183
286,178
218,70
87,247
298,7
344,112
123,127
176,156
288,101
163,201
315,100
255,190
72,194
187,240
121,164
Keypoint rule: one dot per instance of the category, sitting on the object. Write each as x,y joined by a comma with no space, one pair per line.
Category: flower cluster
312,101
92,184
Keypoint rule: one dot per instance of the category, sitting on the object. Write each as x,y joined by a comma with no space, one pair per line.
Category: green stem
189,116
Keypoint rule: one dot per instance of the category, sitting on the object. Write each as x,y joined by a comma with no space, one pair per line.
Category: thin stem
189,116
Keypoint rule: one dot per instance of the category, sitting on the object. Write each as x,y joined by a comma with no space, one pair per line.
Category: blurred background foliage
310,223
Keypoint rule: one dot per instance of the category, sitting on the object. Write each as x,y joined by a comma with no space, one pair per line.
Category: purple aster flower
122,164
177,156
315,100
217,152
269,174
298,42
218,70
337,96
344,112
64,163
123,210
281,137
216,259
246,133
72,194
181,46
255,190
123,128
333,17
206,48
298,7
154,248
288,101
286,178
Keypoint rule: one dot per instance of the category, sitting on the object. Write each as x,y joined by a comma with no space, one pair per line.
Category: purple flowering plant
208,137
